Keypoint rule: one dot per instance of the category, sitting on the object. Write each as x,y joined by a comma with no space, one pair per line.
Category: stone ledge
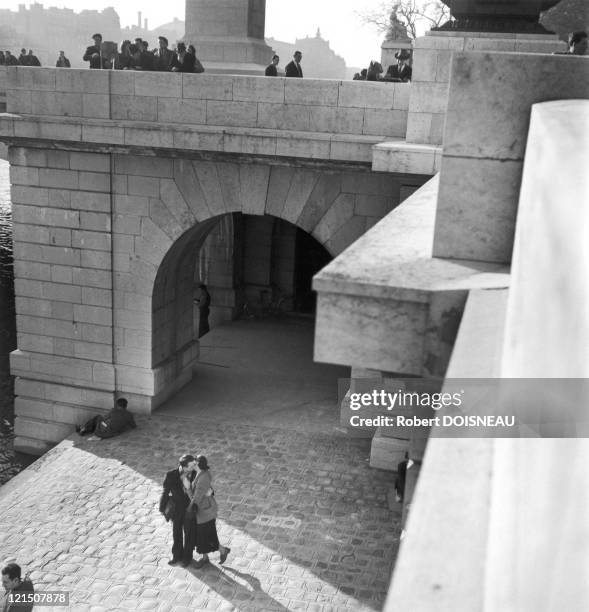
407,158
385,302
393,260
234,140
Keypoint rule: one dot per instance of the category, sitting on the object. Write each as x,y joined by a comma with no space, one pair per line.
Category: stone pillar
216,270
228,35
432,57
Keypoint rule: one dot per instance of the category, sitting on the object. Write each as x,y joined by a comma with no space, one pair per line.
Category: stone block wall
309,105
485,145
111,208
432,58
63,287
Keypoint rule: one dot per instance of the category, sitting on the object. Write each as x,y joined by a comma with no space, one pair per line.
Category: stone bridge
120,180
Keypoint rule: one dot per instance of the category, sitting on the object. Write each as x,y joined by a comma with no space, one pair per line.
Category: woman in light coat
206,515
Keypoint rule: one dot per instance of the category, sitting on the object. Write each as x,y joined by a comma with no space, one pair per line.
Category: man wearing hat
94,55
402,71
164,56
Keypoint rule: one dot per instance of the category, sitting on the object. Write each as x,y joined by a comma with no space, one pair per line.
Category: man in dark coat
204,309
10,60
17,590
94,55
402,477
23,58
33,59
293,69
164,56
402,71
118,420
183,61
176,495
271,69
62,61
147,60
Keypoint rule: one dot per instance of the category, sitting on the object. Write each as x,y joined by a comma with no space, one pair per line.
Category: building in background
319,60
50,30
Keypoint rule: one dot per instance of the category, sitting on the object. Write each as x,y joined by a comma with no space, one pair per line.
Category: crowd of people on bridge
181,58
24,59
396,73
138,56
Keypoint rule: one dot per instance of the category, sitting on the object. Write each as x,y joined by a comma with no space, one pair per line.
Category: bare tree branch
415,15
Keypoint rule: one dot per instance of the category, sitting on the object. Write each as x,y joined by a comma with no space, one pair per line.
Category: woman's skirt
206,537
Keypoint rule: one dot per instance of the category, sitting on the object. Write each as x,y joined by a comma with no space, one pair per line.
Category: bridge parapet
310,118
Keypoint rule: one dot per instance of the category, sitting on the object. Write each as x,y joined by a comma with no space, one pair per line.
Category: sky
285,20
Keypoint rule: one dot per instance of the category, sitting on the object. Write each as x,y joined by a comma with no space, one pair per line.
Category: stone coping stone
406,157
516,35
269,142
482,326
423,578
393,260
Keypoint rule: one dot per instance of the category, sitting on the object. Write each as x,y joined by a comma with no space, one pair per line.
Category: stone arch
167,206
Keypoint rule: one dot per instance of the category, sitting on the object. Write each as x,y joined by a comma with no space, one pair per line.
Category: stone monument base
234,55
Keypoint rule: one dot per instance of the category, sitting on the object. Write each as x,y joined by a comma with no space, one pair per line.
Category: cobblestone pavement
305,516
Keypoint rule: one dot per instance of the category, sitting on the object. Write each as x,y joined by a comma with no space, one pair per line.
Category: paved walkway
305,516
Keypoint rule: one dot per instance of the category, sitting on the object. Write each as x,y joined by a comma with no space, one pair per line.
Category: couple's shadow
224,580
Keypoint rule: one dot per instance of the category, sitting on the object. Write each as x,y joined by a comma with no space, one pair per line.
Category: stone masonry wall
309,105
118,177
432,59
63,285
105,249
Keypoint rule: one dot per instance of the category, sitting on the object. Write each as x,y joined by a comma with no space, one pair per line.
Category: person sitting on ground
198,67
23,58
577,43
184,61
33,59
16,589
118,420
62,61
272,70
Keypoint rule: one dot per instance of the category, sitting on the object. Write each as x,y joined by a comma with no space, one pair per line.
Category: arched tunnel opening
256,358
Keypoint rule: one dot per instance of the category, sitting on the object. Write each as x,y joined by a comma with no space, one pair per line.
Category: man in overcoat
293,68
176,495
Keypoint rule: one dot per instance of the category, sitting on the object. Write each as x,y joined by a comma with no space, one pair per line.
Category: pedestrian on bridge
204,501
